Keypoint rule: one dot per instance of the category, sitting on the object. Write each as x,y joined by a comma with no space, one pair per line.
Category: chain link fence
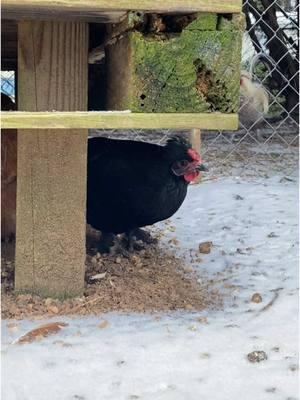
8,83
267,140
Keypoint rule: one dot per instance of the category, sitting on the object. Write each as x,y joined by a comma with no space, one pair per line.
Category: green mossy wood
195,70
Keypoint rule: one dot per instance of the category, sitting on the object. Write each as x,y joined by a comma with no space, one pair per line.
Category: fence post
51,186
195,138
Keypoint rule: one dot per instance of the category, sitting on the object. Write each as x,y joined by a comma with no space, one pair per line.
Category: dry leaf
192,328
256,298
12,327
53,309
48,301
103,324
202,320
205,247
257,356
205,355
40,332
188,307
62,343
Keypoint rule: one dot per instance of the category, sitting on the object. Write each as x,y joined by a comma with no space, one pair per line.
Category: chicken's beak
202,167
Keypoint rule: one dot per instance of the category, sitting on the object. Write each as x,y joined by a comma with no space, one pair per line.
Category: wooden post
195,138
51,187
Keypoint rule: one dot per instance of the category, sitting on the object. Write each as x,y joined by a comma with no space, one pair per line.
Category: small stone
192,328
48,302
188,269
24,297
293,367
94,260
238,197
53,309
205,356
103,324
202,320
276,349
256,298
118,260
272,235
257,356
205,247
271,390
12,327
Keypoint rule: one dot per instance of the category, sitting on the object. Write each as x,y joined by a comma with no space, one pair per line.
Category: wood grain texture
106,9
51,190
117,120
9,45
195,139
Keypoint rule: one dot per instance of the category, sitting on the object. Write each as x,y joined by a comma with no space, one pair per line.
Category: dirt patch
151,280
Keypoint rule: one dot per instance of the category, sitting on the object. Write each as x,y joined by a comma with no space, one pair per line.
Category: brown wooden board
117,120
109,10
51,175
176,64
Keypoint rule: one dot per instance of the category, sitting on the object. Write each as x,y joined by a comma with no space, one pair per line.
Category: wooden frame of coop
52,74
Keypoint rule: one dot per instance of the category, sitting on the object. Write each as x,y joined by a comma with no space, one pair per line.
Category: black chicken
134,184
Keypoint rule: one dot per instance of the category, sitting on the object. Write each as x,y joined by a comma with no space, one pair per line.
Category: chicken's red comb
194,154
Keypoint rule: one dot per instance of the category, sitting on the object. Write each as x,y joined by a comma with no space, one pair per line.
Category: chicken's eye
180,167
183,163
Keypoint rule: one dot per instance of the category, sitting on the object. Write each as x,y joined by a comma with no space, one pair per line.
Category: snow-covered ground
253,224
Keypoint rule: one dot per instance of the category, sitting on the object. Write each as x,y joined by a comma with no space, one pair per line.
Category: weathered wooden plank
117,120
51,185
184,64
195,139
9,44
108,10
57,14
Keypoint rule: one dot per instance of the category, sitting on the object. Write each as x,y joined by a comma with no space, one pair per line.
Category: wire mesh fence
8,83
267,140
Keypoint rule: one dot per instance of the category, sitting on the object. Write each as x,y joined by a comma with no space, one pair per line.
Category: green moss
231,23
204,22
134,18
195,71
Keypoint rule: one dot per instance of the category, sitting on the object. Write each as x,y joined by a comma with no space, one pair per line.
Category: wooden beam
109,10
51,175
116,120
9,41
195,139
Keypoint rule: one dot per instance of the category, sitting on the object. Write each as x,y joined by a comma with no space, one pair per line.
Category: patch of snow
253,226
